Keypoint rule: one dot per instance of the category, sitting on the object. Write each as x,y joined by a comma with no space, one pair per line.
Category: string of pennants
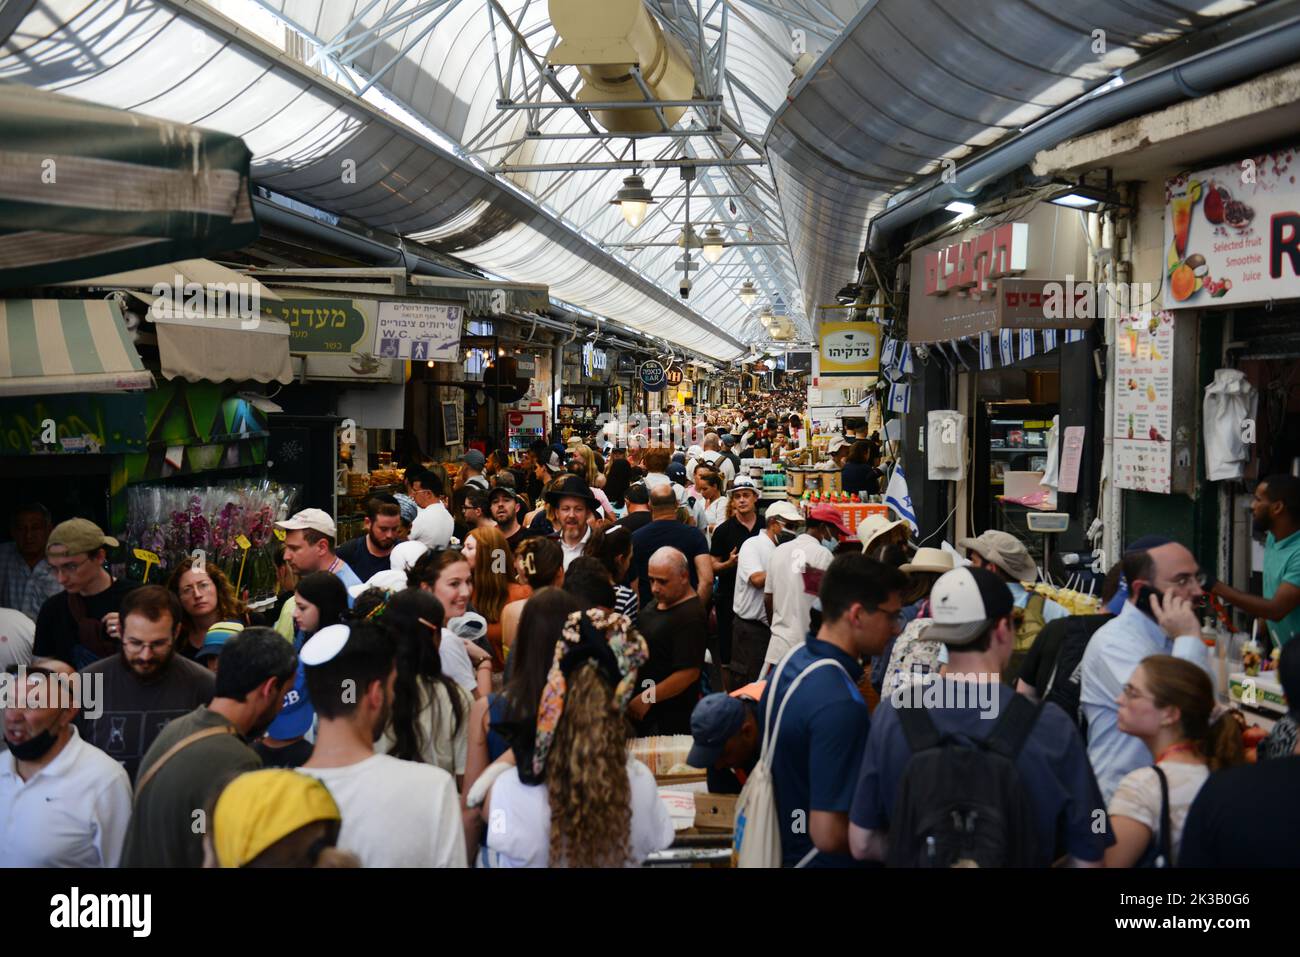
985,351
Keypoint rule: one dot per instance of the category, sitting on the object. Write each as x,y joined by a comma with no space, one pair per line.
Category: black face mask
33,749
785,535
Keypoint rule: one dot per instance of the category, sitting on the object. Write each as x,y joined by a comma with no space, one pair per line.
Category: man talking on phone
1165,582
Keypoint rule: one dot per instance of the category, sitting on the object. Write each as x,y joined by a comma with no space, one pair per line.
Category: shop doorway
70,486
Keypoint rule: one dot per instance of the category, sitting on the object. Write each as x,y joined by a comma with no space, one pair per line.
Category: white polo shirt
71,813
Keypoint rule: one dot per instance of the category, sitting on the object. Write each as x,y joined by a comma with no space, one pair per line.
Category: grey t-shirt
135,711
172,812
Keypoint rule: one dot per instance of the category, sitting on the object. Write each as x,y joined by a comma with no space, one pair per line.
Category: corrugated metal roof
911,83
305,133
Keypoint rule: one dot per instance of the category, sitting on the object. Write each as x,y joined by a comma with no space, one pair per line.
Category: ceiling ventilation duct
605,40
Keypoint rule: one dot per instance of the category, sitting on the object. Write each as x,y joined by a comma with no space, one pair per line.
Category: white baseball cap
745,482
836,443
310,518
784,511
964,603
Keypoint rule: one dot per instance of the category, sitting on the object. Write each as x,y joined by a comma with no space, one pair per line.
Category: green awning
87,190
57,346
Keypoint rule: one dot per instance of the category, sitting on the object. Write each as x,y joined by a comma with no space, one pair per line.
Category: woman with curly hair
574,797
207,597
492,571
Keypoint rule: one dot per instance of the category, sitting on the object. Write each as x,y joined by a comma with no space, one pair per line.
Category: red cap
831,516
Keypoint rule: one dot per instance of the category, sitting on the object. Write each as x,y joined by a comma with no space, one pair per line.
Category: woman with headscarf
574,797
544,615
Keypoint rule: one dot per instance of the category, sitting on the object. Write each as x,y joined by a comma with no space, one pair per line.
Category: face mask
33,749
785,535
830,544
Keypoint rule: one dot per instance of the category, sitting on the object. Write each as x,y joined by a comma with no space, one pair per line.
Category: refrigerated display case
521,431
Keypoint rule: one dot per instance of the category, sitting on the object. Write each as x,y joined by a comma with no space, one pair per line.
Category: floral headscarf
604,638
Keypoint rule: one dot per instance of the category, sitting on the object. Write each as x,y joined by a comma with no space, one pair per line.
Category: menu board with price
1144,407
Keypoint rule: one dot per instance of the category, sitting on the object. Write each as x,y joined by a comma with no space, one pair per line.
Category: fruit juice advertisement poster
1232,233
1144,404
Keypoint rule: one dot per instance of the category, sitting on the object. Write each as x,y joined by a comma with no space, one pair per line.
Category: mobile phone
1144,599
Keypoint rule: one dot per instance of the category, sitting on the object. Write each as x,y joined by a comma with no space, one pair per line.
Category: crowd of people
458,685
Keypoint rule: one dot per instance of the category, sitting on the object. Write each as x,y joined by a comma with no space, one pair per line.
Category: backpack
1029,622
1066,681
960,801
758,820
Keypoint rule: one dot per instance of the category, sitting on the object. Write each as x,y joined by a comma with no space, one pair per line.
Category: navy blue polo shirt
819,750
1053,768
654,535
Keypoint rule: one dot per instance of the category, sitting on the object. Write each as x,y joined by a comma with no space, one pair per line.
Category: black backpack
960,801
1066,680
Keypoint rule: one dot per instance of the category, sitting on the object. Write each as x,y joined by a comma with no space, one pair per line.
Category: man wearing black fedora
574,506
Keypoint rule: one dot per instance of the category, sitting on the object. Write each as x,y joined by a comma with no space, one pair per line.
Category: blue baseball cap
216,637
715,719
295,718
677,472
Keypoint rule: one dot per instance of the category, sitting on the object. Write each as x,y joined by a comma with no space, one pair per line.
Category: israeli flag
1049,340
1026,343
905,359
900,397
889,353
1074,335
1004,347
986,350
899,499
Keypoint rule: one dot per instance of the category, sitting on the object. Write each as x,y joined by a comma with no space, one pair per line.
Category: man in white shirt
395,813
750,628
63,802
1165,578
793,577
574,506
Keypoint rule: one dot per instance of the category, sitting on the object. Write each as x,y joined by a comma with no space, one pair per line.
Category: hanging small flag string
986,350
1026,343
1004,347
1049,340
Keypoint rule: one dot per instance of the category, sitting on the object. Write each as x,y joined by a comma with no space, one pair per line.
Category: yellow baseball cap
259,808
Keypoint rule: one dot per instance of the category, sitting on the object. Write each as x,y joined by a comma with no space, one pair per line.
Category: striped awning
52,346
87,190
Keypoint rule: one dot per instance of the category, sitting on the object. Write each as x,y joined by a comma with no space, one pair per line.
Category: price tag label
243,542
279,533
146,556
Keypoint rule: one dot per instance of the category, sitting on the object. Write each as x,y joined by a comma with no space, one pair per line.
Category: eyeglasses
156,647
68,568
896,617
1132,694
189,591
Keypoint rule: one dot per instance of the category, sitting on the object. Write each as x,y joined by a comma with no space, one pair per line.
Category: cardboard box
715,811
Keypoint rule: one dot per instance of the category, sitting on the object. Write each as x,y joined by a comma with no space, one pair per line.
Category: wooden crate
715,811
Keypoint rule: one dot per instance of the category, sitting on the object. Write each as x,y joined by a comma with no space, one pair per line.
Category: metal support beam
629,165
727,245
712,103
